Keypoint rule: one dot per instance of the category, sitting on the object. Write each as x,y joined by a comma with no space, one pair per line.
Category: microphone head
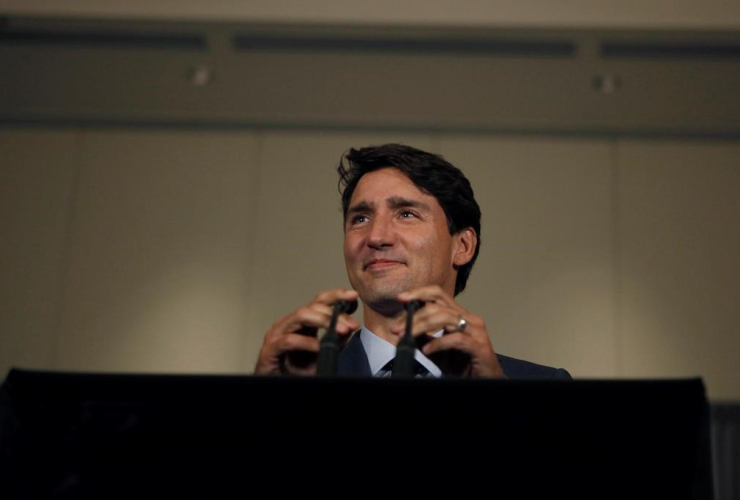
414,305
349,306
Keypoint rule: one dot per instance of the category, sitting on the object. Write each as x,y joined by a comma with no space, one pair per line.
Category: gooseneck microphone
403,365
329,346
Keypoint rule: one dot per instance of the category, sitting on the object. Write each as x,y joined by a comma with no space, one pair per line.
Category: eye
408,214
357,219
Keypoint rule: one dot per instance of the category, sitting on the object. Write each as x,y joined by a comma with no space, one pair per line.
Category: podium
81,435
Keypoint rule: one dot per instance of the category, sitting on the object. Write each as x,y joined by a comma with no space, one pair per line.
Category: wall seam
254,191
617,270
66,257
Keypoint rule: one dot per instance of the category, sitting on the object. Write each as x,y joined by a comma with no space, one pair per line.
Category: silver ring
462,323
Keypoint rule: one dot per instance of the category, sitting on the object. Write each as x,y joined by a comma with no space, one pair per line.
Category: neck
379,322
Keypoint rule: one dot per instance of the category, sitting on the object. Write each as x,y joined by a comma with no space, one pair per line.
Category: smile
378,264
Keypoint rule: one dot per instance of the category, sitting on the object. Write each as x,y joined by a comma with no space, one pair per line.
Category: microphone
403,365
329,346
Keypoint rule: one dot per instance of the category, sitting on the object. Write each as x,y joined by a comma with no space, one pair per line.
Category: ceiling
226,74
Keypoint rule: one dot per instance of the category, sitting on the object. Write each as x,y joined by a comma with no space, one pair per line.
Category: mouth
379,264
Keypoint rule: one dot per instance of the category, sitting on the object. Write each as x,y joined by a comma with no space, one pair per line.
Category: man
411,232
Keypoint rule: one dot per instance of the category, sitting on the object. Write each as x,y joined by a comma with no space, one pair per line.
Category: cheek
350,247
347,253
428,243
438,251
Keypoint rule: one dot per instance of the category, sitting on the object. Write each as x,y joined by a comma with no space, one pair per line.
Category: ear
465,243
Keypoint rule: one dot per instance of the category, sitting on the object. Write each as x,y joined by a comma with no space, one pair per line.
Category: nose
381,234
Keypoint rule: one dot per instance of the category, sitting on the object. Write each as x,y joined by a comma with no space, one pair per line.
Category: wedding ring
462,323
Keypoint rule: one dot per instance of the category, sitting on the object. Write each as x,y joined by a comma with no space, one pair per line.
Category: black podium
70,435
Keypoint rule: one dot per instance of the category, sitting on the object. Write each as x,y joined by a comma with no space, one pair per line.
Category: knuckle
303,312
274,327
283,343
430,308
325,296
291,343
457,341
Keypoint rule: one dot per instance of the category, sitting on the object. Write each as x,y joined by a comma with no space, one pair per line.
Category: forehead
387,183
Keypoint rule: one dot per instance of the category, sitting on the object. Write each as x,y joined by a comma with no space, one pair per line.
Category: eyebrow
363,206
394,202
400,202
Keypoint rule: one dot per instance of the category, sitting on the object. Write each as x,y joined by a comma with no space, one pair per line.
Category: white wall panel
544,281
680,225
160,253
37,183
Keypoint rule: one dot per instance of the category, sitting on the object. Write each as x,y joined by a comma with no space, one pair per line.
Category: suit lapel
353,360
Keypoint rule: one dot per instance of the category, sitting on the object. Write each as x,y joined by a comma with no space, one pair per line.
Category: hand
291,345
441,312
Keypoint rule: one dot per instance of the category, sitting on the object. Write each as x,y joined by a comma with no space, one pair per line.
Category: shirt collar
379,351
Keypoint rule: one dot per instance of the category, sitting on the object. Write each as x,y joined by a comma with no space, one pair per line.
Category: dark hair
431,173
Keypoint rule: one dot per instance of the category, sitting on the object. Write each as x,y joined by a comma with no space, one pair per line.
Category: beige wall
545,277
679,260
173,251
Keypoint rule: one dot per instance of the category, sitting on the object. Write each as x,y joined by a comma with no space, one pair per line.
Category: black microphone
403,364
329,346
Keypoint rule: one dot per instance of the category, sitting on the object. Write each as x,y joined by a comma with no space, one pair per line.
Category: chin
387,307
383,301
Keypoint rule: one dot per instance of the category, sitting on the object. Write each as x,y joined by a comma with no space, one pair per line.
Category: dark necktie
419,370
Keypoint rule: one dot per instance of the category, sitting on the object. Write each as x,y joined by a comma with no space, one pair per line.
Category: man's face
396,238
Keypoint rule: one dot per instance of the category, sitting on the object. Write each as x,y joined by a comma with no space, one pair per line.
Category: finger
444,319
329,297
296,342
456,321
433,318
399,326
344,337
347,323
452,341
483,359
431,293
310,318
305,317
272,352
322,303
322,308
300,355
281,326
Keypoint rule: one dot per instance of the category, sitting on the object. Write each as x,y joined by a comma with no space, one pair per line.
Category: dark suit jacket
353,363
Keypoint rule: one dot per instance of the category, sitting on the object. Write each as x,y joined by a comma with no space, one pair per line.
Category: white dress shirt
379,352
